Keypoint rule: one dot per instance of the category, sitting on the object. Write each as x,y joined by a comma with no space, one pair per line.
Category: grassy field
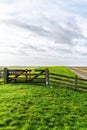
34,107
30,107
63,70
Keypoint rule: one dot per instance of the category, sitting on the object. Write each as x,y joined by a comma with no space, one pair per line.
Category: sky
43,32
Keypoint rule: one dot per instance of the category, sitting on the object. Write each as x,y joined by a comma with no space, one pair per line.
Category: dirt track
78,72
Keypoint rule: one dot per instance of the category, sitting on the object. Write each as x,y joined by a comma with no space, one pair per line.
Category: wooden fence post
29,75
76,82
5,75
47,77
26,75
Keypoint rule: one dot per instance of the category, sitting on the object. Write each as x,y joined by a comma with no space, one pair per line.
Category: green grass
34,107
30,107
61,70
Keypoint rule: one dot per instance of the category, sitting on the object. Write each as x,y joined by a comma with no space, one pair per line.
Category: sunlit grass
34,107
61,70
30,107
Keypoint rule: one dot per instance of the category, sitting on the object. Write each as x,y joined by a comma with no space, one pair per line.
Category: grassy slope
29,107
61,70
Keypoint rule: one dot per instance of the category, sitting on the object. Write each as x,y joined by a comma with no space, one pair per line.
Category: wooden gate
26,76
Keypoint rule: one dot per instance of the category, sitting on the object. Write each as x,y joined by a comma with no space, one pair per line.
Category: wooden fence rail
26,76
42,76
75,82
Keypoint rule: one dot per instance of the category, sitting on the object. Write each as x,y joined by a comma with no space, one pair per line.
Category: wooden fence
42,76
68,81
26,76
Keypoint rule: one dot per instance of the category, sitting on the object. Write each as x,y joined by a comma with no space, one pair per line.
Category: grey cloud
37,29
7,1
81,53
13,50
32,48
22,52
8,52
57,33
13,46
62,50
67,34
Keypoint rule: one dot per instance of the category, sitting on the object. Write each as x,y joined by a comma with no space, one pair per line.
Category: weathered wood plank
60,79
61,75
5,75
36,75
76,83
47,77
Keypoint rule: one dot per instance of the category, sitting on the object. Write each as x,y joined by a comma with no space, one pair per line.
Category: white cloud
45,32
4,11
